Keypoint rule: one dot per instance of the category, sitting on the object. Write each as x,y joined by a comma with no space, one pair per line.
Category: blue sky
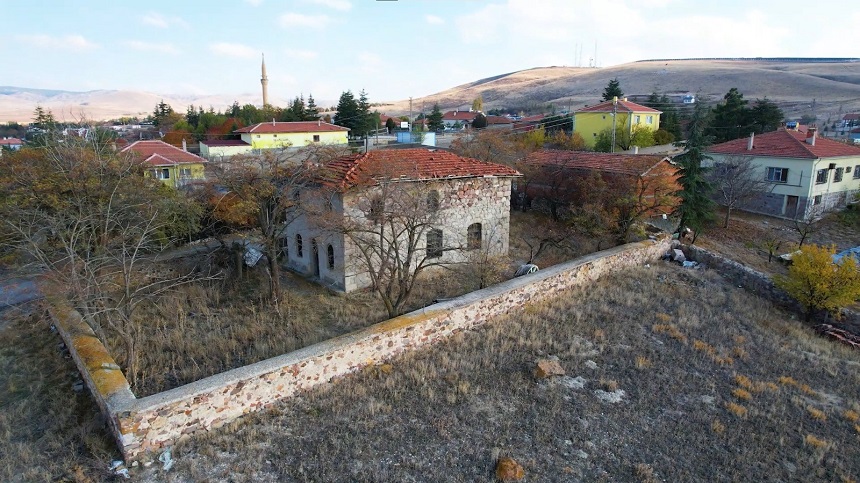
392,49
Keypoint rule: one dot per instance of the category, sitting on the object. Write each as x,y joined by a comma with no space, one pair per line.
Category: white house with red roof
459,119
809,173
463,205
11,143
628,116
173,166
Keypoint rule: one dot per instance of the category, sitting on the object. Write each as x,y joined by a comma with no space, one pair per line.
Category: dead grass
48,432
446,413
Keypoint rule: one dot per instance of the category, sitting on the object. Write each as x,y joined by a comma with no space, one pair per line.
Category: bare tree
736,180
93,224
808,224
392,235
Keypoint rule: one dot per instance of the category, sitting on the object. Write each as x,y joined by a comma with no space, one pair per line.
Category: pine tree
348,113
696,207
365,122
731,117
434,121
311,111
613,89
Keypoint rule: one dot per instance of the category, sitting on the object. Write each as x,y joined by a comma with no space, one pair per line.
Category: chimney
635,149
184,145
811,134
273,121
319,123
625,99
751,142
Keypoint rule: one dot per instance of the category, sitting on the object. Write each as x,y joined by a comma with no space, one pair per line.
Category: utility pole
410,114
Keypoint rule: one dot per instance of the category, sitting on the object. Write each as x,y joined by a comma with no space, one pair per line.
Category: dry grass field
671,375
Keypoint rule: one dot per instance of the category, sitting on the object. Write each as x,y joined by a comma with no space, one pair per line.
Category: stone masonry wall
154,422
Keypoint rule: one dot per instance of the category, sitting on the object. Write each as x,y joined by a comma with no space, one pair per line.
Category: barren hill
798,86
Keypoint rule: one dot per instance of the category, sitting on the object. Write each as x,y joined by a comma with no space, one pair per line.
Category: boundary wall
149,424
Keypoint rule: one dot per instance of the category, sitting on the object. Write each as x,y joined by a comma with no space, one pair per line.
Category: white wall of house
220,152
463,202
801,182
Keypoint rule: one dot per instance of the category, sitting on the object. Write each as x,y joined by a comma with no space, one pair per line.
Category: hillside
833,87
826,89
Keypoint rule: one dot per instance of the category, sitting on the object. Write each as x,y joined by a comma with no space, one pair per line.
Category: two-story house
173,166
433,206
627,116
459,119
805,170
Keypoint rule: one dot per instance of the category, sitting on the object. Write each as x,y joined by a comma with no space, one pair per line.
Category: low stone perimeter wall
154,422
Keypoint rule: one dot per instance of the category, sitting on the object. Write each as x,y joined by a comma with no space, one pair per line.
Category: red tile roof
290,127
535,118
633,164
465,116
11,142
623,106
225,142
498,120
850,117
786,144
159,153
408,164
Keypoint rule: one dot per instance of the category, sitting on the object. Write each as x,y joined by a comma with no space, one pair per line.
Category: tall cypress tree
613,89
696,207
348,114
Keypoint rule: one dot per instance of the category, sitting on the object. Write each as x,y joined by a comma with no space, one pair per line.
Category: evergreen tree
161,112
613,89
235,110
312,113
348,114
390,125
434,121
731,118
365,122
766,116
192,116
44,119
480,121
696,207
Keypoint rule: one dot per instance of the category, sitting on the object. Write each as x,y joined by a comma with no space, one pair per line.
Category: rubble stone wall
149,424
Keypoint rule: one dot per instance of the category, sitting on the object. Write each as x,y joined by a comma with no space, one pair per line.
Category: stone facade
463,202
152,423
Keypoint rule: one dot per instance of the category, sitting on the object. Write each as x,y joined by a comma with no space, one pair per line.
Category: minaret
265,81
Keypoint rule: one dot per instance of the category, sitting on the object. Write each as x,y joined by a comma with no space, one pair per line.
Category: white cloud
342,5
234,50
155,19
291,19
68,42
434,19
254,3
165,48
301,54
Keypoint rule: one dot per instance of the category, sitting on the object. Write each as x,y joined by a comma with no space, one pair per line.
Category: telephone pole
614,127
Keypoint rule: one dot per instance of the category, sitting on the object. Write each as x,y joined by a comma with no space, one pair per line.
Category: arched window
473,236
434,243
433,201
299,251
330,254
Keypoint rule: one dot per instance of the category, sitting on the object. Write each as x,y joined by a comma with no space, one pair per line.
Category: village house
557,179
459,119
10,143
628,116
500,123
808,173
461,204
276,135
173,166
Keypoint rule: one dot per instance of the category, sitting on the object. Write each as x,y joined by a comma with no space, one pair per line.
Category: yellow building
173,166
590,121
270,135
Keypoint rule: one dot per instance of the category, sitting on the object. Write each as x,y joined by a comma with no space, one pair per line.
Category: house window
274,135
816,200
316,138
837,177
285,247
821,176
376,208
857,171
473,236
330,253
649,119
258,136
434,243
433,201
162,173
299,250
777,175
185,173
638,119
